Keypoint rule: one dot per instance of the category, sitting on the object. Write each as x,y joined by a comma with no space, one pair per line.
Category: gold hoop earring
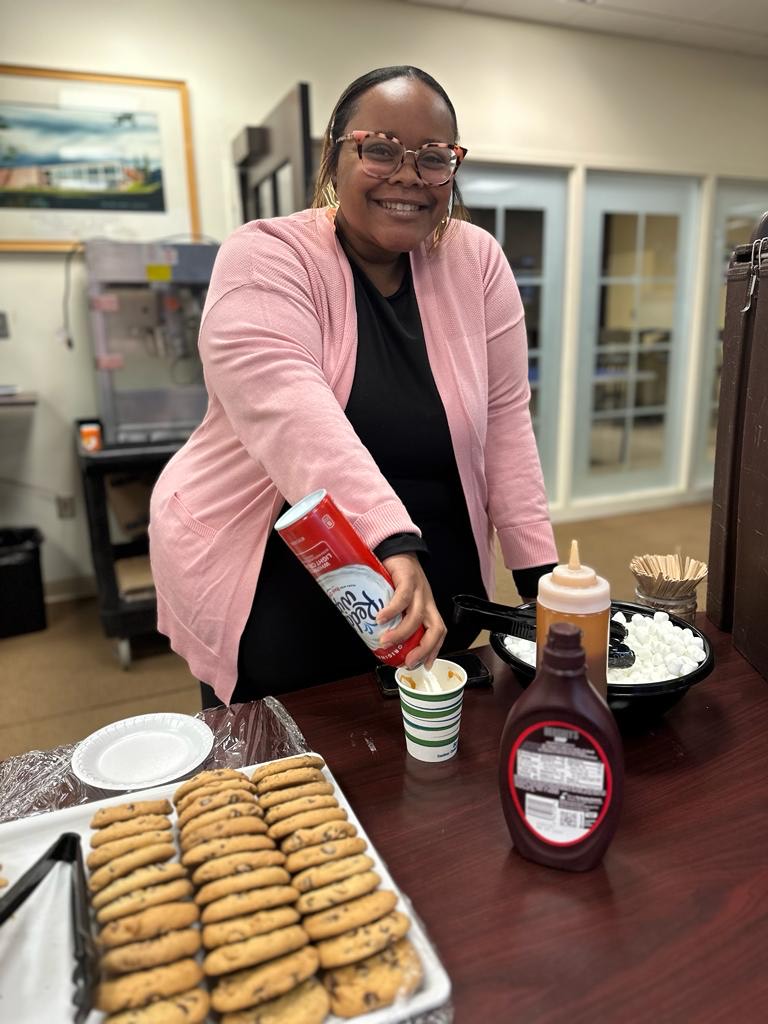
329,194
440,230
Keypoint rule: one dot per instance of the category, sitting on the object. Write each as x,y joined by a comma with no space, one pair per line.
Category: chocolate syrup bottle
561,763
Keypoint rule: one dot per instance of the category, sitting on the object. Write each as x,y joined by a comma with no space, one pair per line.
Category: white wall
523,93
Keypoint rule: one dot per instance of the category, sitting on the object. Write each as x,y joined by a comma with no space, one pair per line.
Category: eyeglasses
382,155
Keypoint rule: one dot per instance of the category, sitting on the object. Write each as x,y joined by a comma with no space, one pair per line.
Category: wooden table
672,927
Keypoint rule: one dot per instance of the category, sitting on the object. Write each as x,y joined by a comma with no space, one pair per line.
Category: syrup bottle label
560,781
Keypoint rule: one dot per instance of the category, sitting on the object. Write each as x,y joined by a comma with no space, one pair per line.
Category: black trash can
22,607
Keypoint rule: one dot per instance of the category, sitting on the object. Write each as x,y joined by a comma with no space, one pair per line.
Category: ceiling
735,26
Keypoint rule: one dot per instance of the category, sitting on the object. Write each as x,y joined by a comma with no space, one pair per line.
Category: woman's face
415,114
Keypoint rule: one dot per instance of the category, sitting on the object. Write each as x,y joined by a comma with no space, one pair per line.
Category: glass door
738,207
524,208
634,336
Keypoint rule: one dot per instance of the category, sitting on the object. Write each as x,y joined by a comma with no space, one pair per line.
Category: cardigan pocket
191,523
186,570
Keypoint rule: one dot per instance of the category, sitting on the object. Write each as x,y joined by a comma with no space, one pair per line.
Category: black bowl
632,703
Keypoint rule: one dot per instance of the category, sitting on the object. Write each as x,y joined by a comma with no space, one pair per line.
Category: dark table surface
673,926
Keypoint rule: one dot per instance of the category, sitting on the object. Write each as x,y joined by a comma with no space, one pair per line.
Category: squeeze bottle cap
574,587
574,574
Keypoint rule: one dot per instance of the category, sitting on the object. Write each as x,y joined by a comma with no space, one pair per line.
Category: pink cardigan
278,343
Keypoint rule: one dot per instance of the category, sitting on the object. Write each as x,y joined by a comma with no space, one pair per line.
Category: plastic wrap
249,733
42,780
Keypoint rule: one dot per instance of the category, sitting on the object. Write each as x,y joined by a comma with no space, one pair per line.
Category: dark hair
346,105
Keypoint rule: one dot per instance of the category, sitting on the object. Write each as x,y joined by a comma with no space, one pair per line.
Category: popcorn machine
145,304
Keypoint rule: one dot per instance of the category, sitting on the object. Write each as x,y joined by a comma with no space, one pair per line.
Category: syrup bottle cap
563,651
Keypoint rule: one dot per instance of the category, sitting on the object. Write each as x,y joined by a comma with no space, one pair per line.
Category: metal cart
121,617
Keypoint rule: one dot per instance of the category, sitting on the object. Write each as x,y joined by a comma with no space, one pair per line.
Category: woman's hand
413,598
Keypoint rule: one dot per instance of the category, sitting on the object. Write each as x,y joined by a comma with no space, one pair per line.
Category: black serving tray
630,702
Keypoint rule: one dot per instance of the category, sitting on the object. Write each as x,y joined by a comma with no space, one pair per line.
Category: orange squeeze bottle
575,593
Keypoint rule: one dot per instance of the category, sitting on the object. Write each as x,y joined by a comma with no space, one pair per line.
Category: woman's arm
261,344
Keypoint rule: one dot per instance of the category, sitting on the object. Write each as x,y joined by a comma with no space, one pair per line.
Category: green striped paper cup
431,720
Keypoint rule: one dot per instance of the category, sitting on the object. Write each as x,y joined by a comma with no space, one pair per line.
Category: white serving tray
36,952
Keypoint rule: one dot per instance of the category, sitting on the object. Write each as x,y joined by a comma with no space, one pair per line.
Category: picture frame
88,155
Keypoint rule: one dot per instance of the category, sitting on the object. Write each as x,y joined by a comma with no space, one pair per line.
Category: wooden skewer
668,576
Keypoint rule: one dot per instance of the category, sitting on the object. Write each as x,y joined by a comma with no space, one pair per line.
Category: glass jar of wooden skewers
667,583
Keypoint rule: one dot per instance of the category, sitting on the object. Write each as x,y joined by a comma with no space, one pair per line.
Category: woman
373,345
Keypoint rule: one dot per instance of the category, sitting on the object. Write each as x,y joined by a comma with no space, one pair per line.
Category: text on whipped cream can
329,547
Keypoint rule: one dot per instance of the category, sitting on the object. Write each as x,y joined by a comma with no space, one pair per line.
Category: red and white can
330,548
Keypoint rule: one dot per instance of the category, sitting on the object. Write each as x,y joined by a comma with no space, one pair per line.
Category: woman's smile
401,208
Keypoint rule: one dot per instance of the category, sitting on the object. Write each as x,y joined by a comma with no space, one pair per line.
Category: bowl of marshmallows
670,657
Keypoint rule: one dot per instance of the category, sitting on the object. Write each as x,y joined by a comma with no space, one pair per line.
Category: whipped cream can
329,547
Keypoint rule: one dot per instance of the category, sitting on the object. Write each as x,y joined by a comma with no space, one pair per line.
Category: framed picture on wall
86,155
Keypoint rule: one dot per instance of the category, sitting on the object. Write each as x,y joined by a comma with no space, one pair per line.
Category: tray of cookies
241,896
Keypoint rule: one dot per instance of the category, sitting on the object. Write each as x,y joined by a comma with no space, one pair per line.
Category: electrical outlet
5,331
65,506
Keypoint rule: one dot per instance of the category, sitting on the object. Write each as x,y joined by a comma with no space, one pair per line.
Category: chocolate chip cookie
305,820
249,902
256,950
333,871
132,827
279,796
338,892
256,879
236,864
363,911
165,949
238,928
147,986
360,943
315,834
123,812
395,972
186,1008
310,856
153,874
308,1003
211,848
141,899
256,985
287,764
148,924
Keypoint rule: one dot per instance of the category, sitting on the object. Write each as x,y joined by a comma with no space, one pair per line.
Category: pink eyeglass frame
359,137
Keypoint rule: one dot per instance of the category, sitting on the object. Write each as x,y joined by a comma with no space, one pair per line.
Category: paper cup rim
433,697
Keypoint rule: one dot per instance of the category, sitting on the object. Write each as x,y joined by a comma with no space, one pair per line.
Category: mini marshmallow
662,650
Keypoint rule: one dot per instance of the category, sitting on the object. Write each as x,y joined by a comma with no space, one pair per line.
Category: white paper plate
143,751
